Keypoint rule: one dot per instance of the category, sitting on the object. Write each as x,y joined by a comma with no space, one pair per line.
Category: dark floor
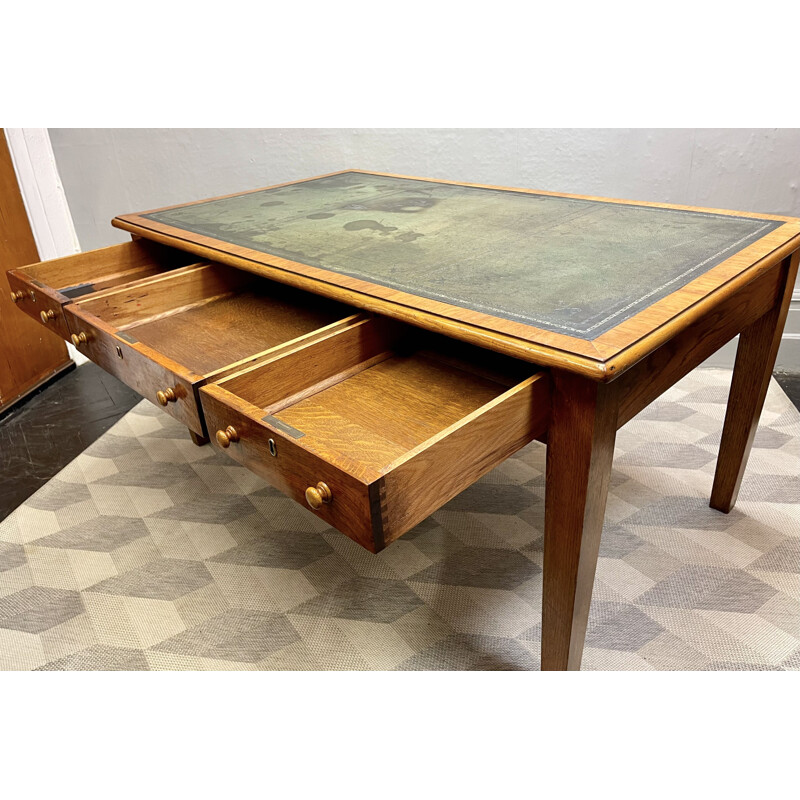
41,435
790,383
44,433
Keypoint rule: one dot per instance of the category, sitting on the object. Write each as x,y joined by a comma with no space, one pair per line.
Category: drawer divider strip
283,426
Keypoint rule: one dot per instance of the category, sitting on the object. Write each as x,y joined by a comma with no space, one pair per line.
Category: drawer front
354,505
39,302
138,367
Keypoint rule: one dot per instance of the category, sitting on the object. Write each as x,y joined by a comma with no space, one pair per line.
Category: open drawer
377,425
167,335
42,290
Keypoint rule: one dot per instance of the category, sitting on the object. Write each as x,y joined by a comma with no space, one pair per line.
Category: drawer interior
209,316
375,391
84,273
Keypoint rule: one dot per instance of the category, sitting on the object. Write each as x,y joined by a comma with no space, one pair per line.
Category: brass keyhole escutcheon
317,495
119,352
17,296
79,338
273,450
47,315
166,396
224,438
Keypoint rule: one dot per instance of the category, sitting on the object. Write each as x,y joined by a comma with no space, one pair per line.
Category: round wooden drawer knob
166,396
317,495
48,315
17,296
79,338
224,438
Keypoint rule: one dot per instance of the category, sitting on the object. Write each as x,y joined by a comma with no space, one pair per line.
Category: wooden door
29,353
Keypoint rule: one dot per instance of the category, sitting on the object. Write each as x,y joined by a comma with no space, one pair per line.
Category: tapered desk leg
198,439
755,359
580,450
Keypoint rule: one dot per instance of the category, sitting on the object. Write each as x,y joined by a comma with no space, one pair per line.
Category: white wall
110,172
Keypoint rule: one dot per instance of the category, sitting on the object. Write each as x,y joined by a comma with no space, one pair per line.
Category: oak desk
372,344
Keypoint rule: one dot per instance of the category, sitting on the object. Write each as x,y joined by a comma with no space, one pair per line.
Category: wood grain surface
209,316
580,450
143,369
108,266
293,469
181,329
425,478
674,359
409,425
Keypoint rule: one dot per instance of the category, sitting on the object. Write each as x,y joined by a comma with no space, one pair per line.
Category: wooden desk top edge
603,358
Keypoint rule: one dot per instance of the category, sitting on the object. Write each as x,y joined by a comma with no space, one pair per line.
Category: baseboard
789,355
12,404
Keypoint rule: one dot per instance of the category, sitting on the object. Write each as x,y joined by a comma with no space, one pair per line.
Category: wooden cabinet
29,354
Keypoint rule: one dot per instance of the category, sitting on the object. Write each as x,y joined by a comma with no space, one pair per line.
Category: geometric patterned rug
147,552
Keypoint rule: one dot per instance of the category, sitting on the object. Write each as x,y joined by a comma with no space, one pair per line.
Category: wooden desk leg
755,359
580,450
198,439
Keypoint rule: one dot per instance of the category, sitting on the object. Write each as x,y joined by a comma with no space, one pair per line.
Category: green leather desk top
574,266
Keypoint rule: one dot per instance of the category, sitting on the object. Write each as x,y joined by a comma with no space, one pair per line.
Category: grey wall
110,172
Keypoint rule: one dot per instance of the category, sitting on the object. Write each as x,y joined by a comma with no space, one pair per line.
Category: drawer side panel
434,473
